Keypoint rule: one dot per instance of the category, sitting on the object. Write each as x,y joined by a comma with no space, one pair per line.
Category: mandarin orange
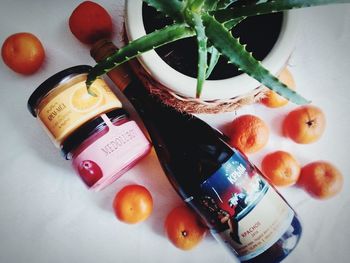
249,133
23,53
281,168
272,99
133,204
321,179
305,124
183,228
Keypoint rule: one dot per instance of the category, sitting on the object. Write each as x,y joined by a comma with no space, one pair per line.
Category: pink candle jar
104,148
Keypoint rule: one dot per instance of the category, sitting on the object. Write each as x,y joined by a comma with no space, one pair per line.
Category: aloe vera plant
210,21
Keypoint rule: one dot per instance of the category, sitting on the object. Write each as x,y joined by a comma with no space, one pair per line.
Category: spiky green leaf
236,54
139,46
171,8
202,51
214,58
210,4
215,54
270,7
233,22
225,3
195,5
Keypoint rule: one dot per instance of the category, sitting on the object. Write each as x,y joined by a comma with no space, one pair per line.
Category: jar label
249,214
114,151
63,113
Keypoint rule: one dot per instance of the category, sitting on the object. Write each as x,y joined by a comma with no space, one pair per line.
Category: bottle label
248,214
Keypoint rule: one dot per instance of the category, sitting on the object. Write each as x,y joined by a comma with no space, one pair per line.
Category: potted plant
178,60
210,22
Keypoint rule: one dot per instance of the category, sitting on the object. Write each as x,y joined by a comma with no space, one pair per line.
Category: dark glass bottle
231,196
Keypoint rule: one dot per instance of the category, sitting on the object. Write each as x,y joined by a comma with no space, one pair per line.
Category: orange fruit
248,133
23,53
90,22
133,204
321,179
280,168
305,124
183,228
272,99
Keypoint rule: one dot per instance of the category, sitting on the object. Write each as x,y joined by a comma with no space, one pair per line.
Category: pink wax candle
105,148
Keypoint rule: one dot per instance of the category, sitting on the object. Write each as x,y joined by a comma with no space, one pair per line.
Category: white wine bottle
241,209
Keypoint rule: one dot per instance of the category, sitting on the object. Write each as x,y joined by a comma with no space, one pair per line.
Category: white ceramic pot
212,89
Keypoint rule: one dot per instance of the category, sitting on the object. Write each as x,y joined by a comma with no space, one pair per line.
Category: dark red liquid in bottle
238,205
231,196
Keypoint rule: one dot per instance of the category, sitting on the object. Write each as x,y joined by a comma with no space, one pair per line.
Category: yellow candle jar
62,103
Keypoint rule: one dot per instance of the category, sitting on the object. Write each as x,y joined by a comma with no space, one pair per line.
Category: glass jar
104,148
62,104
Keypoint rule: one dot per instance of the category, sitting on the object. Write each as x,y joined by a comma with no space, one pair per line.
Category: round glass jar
62,104
104,148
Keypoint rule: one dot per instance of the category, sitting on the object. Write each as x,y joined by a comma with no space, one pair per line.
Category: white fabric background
46,214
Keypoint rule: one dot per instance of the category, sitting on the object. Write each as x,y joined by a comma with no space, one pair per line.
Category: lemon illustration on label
82,101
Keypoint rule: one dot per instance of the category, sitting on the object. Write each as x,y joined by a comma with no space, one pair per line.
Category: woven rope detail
192,105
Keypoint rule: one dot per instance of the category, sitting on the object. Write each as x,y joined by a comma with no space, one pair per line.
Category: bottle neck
129,85
121,75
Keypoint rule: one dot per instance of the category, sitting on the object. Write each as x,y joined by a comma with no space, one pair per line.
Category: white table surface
47,215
